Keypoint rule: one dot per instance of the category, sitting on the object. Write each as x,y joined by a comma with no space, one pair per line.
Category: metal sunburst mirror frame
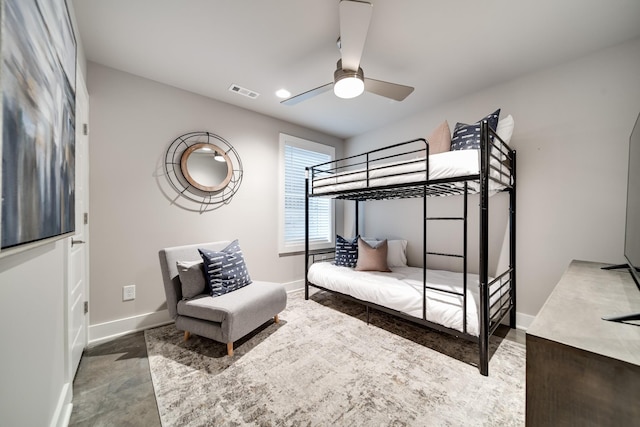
175,165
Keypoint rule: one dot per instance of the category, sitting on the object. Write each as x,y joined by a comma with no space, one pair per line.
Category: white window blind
297,156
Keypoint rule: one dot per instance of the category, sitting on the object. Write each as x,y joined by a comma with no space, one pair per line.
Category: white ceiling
445,49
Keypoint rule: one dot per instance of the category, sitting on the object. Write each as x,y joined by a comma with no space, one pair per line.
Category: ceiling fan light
348,84
349,87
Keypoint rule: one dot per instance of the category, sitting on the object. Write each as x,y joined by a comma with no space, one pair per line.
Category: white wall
572,126
133,121
32,365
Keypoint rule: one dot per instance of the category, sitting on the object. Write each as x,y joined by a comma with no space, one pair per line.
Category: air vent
242,91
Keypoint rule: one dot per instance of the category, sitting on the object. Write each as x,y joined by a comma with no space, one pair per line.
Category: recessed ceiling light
283,93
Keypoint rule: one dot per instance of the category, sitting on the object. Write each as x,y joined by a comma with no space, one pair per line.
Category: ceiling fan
348,79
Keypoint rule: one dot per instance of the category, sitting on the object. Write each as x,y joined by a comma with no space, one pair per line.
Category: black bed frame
497,163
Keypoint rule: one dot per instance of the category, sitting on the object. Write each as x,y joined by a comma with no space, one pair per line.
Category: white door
78,253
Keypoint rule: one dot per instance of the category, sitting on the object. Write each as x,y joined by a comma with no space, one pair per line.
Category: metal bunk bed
497,170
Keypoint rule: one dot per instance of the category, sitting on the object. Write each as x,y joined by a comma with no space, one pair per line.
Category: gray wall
572,126
133,121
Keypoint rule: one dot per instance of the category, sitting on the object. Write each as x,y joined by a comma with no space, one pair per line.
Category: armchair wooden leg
187,334
276,319
230,349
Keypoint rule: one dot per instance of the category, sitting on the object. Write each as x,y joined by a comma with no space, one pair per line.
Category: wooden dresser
582,370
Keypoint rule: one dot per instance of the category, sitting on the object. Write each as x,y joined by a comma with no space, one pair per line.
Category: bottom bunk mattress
401,290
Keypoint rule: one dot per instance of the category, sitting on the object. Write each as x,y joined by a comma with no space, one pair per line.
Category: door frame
82,123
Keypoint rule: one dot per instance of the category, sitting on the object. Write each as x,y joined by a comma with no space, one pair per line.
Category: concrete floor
113,384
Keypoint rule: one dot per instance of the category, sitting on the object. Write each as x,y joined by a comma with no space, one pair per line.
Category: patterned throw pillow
225,271
467,137
346,252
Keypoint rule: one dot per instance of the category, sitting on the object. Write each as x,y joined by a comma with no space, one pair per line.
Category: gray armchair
225,318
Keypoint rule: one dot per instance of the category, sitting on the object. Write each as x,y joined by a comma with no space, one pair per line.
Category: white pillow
396,250
397,253
505,129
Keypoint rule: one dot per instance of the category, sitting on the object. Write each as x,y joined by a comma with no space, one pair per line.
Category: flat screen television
632,223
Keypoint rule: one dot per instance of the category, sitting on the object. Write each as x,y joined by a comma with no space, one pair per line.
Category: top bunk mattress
449,164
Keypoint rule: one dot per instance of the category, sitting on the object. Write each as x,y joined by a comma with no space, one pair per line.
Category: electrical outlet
128,293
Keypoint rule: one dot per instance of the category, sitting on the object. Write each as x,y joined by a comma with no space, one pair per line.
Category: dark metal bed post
484,247
306,233
424,251
424,234
357,218
512,239
465,217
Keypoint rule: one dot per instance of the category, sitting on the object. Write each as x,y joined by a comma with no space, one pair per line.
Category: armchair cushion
237,313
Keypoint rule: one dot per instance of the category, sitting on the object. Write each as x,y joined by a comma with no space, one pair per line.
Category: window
295,155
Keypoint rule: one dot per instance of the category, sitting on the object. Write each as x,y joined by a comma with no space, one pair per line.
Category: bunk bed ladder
463,256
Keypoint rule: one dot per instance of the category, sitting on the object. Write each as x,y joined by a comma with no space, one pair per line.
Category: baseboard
109,330
523,321
62,413
296,285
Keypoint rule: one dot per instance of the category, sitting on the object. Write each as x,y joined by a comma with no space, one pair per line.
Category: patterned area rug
322,365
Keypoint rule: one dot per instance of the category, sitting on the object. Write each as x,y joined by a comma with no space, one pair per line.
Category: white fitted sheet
401,290
449,164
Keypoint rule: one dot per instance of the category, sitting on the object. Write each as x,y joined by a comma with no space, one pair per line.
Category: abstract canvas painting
38,122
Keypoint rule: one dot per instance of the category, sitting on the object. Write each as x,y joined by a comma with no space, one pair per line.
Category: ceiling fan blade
386,89
306,95
355,17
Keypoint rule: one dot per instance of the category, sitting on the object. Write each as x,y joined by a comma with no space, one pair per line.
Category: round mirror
203,168
206,166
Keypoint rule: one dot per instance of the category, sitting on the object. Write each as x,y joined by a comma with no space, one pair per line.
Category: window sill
327,250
